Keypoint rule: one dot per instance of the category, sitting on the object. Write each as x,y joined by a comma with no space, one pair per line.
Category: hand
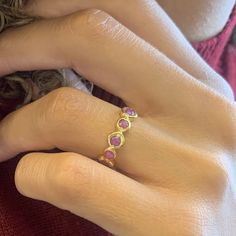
176,171
143,17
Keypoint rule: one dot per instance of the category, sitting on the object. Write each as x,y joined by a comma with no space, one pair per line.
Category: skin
178,165
199,20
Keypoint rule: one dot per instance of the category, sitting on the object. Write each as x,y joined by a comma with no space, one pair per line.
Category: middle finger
149,21
105,52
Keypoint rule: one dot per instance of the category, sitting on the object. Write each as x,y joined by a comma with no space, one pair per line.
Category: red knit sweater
21,216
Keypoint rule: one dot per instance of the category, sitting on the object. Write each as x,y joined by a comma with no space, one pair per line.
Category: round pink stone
115,140
130,111
109,154
123,123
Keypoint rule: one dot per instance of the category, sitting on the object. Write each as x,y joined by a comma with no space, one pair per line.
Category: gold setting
109,155
116,134
124,114
111,149
123,129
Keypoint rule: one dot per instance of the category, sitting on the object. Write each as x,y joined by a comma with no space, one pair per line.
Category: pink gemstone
115,141
109,154
130,111
123,123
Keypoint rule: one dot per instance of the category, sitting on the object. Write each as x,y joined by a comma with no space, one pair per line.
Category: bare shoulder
200,19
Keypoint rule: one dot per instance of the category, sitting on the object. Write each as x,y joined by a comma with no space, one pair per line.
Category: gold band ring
117,139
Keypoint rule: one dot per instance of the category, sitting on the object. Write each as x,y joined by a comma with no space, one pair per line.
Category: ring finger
84,120
74,121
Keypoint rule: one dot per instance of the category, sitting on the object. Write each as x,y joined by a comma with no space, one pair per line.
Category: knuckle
209,175
95,24
92,20
65,107
58,97
68,178
215,176
58,104
218,180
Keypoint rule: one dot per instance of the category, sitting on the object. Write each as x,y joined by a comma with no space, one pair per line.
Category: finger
88,189
90,42
148,20
72,120
96,46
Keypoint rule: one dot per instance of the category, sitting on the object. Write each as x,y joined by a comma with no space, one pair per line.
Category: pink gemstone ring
117,139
